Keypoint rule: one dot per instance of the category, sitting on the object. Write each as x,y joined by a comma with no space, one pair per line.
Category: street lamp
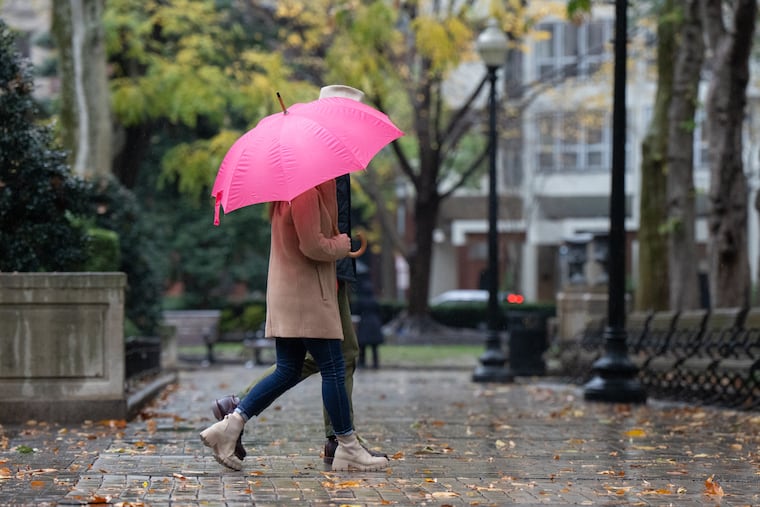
614,373
492,48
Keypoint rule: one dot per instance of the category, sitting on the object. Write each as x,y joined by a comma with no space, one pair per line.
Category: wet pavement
452,442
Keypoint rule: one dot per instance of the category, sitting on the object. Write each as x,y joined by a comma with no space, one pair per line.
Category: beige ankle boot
350,455
222,437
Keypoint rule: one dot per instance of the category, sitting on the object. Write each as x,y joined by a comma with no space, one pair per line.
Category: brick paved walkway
453,442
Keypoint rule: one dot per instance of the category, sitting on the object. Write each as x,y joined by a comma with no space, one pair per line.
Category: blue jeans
291,353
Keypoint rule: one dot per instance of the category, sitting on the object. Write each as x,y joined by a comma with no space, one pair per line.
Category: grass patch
430,355
408,356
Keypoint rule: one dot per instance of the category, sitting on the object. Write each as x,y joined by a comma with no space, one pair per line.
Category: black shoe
221,408
330,445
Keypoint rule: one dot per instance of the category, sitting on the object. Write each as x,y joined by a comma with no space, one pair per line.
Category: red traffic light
516,299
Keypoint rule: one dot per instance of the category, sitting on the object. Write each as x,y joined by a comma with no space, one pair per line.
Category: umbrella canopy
287,153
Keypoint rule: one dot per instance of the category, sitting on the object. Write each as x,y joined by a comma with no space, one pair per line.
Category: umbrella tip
282,104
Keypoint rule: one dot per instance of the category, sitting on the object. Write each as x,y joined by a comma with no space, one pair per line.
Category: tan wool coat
302,299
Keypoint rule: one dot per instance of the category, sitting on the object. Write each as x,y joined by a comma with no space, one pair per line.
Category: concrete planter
62,347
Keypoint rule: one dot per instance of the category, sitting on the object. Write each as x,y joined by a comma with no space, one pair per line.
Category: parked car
459,296
472,296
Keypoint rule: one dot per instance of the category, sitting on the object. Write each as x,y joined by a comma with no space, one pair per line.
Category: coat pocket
322,279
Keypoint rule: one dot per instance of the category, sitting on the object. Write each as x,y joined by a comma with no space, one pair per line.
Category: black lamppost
492,47
615,375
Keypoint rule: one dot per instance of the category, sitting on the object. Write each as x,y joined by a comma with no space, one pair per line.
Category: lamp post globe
492,47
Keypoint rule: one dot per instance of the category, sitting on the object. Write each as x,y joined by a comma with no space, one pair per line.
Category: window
572,50
572,141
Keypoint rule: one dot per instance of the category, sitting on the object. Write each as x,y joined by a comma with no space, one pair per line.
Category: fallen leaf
500,444
39,471
97,499
444,494
618,490
712,487
429,450
340,485
611,472
660,491
113,423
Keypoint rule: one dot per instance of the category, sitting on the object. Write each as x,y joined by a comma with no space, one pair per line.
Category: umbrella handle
362,247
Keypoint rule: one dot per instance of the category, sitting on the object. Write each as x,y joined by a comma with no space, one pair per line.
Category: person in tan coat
346,275
302,317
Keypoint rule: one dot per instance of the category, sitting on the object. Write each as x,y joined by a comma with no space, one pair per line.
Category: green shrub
246,317
104,251
41,201
117,210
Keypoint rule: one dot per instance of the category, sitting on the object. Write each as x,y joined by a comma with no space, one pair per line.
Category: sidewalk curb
137,400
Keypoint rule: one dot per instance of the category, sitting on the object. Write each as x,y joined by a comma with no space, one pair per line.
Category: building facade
554,175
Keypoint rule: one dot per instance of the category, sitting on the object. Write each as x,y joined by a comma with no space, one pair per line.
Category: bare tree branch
467,174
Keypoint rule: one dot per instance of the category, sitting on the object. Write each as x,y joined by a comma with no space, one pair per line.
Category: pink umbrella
287,153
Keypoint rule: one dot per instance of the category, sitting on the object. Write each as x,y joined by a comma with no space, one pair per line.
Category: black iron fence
142,356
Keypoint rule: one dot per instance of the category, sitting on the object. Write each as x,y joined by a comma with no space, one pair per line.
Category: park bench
637,325
195,327
693,373
684,340
733,377
576,357
697,356
653,340
257,345
201,327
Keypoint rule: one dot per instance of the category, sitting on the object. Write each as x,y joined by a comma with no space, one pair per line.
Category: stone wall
62,347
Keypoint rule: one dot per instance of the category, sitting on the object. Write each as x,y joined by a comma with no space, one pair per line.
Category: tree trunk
652,293
420,257
682,252
725,106
131,147
85,98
